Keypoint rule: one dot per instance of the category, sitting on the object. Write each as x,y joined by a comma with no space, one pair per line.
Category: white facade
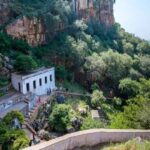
37,82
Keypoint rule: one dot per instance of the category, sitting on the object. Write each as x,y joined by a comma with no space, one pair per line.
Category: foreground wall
90,138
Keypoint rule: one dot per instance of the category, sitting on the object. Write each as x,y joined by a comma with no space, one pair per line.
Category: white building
37,82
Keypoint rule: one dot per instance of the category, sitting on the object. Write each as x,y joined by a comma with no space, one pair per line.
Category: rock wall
5,66
90,138
31,30
99,9
106,13
83,8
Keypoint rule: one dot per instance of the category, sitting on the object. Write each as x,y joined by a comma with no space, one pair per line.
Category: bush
89,123
94,87
25,63
97,98
60,117
20,143
12,115
129,88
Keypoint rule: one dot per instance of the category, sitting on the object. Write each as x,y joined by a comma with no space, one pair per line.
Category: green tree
60,117
97,98
128,48
129,88
25,63
145,65
20,143
108,66
133,115
95,86
12,115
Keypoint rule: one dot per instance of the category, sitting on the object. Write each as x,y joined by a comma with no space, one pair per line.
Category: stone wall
90,138
31,30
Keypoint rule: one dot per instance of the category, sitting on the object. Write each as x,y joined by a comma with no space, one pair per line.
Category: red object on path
39,100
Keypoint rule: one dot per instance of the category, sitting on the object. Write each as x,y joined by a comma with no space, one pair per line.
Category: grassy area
134,144
72,87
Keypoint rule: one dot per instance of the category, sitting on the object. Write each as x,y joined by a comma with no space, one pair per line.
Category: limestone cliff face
31,30
83,8
99,9
5,66
34,32
106,14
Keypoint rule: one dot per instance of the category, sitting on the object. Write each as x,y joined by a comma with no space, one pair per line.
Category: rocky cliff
5,66
33,30
101,10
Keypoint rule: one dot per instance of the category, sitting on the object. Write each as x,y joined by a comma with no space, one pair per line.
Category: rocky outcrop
106,14
99,9
83,8
5,66
34,32
31,30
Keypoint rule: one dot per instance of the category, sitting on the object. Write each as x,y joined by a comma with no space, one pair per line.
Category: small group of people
37,125
49,91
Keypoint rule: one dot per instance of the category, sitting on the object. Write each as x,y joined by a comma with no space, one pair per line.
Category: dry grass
135,144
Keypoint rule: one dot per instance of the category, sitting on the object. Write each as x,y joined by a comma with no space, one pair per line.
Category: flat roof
8,97
33,73
19,106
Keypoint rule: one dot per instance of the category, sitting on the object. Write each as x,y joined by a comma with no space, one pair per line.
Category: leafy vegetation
134,144
12,139
60,117
111,64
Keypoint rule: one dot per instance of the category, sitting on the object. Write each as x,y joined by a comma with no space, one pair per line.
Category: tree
129,88
143,47
128,48
135,115
97,98
12,115
60,117
20,143
145,65
25,63
108,66
95,86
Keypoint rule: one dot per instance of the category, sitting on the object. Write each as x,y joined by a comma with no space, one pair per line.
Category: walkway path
72,93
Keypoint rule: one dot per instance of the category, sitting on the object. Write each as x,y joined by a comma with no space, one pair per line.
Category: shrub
12,115
60,117
25,63
89,123
97,98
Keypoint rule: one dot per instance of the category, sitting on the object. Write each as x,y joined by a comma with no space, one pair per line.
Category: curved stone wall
90,138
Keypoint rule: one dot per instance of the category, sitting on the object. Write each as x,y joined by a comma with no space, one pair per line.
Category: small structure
95,114
16,123
38,82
